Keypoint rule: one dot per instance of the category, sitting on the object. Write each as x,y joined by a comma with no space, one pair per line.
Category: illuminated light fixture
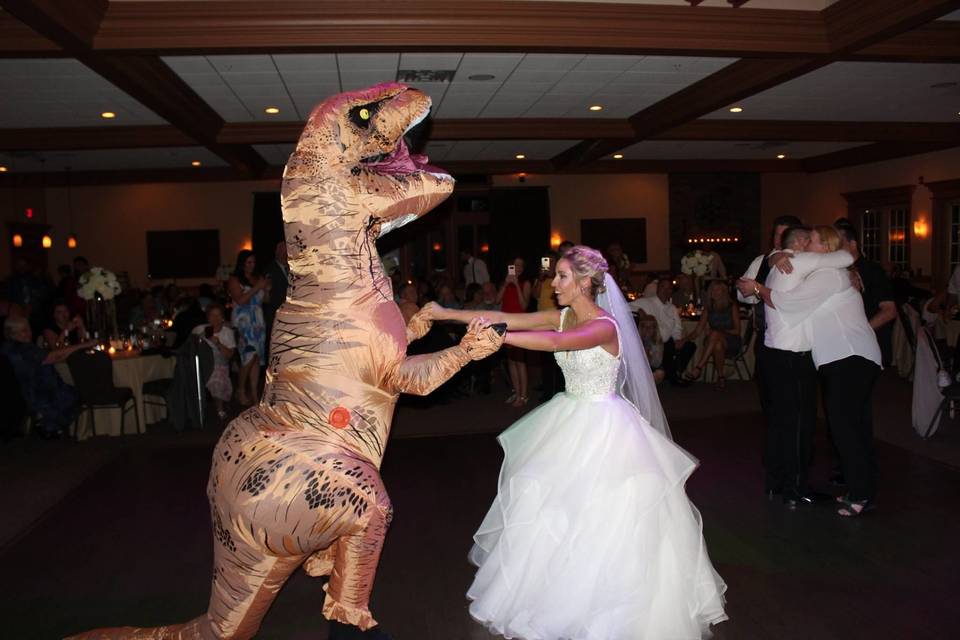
781,156
72,241
17,240
596,107
108,115
28,212
520,156
3,169
485,248
437,246
195,163
46,241
618,156
272,111
247,245
920,228
736,109
555,240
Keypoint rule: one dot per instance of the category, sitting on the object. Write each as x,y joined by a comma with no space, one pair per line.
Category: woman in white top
219,335
847,355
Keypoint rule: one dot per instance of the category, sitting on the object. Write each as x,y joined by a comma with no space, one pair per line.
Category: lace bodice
589,372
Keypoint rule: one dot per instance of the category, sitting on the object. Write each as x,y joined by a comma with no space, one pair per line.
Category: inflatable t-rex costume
295,480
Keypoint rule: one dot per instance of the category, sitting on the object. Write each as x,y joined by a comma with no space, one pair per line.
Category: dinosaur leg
246,580
354,568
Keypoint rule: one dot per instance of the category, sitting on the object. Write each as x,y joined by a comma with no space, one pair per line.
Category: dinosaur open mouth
401,162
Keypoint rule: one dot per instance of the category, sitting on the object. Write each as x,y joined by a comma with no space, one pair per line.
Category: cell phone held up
545,264
511,270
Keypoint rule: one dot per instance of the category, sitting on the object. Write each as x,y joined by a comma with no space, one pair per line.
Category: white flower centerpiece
99,287
696,264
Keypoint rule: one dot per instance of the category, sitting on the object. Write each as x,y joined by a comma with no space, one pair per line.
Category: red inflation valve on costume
340,418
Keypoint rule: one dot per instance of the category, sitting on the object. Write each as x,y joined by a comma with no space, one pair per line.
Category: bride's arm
549,319
591,334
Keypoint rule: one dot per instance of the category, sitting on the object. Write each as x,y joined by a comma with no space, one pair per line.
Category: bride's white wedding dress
591,535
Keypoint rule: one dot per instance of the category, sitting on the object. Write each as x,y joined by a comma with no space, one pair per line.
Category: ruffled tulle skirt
591,535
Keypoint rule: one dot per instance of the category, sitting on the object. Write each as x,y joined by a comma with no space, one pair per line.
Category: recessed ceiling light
195,163
780,156
108,115
481,77
3,169
520,156
736,109
272,110
617,156
596,107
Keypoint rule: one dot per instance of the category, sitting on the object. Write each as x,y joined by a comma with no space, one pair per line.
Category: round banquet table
128,371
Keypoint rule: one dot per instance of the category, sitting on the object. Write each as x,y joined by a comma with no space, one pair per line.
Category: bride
591,536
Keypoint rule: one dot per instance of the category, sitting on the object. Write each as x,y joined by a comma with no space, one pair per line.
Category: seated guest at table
146,311
189,315
408,301
219,335
247,290
720,322
490,295
161,303
62,330
447,299
205,296
677,350
473,297
652,344
51,399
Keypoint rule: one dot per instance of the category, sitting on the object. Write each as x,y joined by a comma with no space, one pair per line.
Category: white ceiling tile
536,75
607,63
550,61
319,62
242,64
430,61
189,65
349,62
459,108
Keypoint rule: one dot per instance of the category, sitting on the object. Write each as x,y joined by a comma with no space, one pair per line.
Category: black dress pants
791,390
848,399
675,360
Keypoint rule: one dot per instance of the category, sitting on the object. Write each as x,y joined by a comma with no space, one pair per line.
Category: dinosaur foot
340,631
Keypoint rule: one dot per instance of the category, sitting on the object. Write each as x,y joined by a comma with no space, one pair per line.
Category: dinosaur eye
362,115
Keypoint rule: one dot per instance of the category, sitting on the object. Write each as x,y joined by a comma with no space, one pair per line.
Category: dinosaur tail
196,629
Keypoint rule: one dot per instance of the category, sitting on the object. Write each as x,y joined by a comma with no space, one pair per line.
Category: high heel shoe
521,401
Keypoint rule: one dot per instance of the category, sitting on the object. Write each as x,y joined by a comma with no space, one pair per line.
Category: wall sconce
437,246
17,240
555,240
46,241
247,245
485,248
72,241
920,228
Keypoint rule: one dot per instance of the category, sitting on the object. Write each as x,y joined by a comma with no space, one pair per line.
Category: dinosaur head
357,143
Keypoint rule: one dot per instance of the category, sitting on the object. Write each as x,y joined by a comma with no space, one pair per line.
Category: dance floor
131,544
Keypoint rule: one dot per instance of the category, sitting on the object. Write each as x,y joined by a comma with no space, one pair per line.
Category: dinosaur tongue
402,162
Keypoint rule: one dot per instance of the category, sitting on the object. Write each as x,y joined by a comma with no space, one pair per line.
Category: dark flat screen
193,253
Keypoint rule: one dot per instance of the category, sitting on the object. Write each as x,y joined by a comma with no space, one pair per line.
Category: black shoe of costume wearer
340,631
794,499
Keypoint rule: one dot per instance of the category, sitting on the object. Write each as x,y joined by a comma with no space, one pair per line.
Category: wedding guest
620,263
677,350
514,297
62,329
46,394
877,292
717,270
474,269
219,335
67,291
652,345
279,275
188,317
473,297
447,299
408,301
247,290
552,380
146,311
683,294
490,295
846,352
720,321
791,376
205,296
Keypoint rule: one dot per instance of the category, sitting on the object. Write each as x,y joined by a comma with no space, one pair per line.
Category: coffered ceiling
822,83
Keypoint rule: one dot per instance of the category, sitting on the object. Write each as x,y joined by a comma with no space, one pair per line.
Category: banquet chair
737,360
156,389
92,374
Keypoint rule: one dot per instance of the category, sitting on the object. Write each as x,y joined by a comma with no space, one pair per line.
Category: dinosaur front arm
420,375
418,326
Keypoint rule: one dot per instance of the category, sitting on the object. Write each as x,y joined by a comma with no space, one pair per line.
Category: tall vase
102,317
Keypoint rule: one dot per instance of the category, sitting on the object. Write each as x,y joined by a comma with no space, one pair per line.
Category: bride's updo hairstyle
586,262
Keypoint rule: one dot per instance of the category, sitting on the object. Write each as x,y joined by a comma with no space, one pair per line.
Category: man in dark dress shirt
878,298
278,273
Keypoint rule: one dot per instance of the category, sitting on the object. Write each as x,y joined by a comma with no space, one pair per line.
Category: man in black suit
279,274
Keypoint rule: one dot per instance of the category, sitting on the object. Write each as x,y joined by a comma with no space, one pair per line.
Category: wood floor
132,545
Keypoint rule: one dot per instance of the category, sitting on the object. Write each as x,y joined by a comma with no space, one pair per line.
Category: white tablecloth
127,372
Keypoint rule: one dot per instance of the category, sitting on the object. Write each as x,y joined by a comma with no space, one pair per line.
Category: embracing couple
591,535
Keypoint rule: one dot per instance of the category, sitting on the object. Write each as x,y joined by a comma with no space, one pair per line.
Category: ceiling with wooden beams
823,83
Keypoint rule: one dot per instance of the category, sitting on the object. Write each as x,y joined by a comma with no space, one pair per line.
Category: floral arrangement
99,281
696,263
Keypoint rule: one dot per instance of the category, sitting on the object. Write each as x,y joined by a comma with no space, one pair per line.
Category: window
953,210
897,248
870,234
885,222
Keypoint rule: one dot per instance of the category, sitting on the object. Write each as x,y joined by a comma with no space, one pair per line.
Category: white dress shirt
781,333
475,271
953,287
668,318
751,274
830,312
